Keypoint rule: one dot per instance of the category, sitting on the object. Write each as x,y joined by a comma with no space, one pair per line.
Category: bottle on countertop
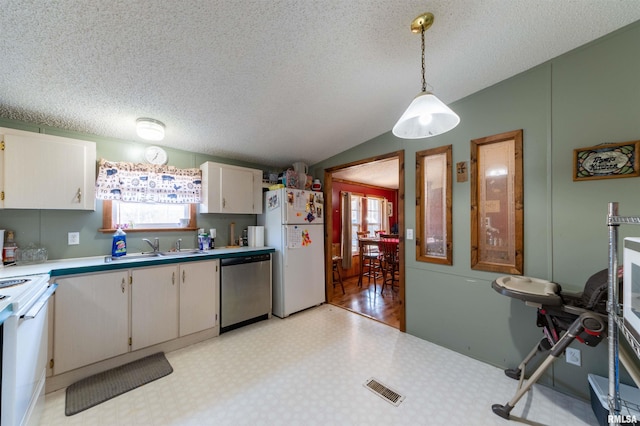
9,249
119,243
203,240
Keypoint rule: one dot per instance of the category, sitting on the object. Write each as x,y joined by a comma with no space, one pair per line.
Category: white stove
24,347
16,291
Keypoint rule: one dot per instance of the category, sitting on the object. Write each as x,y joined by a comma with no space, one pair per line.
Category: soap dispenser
119,243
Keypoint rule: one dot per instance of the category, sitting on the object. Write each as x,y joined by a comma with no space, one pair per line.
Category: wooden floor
364,300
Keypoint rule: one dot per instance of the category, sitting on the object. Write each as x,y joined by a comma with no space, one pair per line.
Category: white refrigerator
293,222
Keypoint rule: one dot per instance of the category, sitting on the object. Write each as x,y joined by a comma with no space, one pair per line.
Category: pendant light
150,129
427,115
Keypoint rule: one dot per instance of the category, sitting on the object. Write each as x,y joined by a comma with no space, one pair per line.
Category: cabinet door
48,172
154,305
91,319
236,190
198,296
230,189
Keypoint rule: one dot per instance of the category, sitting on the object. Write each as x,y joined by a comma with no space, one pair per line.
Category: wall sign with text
616,160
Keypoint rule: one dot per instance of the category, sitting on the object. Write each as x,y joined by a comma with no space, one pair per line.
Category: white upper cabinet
46,172
230,189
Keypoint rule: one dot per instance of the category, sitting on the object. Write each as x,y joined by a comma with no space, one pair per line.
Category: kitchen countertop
82,265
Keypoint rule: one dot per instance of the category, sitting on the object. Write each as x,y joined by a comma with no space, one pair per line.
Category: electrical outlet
572,356
73,238
409,234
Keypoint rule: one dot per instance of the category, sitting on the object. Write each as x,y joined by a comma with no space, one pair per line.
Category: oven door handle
40,303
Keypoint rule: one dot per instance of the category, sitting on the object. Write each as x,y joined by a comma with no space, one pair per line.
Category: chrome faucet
155,245
178,241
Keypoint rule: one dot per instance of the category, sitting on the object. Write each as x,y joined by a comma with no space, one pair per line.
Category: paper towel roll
255,236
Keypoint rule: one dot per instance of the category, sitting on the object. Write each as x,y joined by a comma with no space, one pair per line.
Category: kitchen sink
185,252
137,256
132,256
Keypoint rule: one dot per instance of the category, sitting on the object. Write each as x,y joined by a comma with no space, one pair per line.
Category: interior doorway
373,175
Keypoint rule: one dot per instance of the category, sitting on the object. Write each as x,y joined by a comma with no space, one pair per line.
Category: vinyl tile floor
310,369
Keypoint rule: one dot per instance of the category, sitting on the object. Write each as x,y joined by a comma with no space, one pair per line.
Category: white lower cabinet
154,305
198,296
91,319
102,315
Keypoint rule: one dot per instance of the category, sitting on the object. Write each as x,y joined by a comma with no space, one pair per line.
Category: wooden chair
389,260
371,266
336,260
370,263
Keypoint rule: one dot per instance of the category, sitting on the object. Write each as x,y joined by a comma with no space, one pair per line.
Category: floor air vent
384,392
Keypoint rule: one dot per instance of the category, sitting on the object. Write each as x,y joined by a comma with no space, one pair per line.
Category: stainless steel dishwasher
245,290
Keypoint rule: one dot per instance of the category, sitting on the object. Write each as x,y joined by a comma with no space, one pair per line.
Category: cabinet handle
183,275
173,278
123,285
79,195
224,202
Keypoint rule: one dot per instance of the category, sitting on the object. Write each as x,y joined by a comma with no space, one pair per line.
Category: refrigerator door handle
285,246
285,209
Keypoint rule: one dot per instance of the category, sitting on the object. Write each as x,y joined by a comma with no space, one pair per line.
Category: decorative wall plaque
615,160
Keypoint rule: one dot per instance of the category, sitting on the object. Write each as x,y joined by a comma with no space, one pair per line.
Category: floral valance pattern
147,183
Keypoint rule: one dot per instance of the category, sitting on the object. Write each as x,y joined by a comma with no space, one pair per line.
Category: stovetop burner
11,282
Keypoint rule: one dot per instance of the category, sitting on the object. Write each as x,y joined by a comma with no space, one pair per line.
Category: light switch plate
409,234
73,238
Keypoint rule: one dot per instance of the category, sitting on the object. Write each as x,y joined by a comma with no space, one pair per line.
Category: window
147,216
374,215
366,216
143,215
497,203
433,206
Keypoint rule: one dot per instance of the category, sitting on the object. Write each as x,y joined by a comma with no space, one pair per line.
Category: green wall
584,98
49,228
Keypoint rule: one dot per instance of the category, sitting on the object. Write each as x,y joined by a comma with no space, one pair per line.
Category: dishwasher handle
245,259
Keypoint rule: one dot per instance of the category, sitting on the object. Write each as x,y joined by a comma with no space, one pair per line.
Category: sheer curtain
385,216
345,219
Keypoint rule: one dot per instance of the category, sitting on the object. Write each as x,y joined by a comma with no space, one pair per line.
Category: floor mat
101,387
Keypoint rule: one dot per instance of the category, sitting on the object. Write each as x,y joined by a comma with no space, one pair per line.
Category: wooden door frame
328,193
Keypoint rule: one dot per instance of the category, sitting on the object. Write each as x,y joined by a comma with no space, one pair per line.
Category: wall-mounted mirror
433,206
497,203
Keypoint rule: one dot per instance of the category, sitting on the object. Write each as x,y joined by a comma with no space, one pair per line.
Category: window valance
147,183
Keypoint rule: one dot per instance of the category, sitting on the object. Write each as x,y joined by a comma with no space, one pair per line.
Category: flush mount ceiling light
427,115
150,129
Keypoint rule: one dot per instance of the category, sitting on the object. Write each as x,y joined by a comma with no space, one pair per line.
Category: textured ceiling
274,81
383,173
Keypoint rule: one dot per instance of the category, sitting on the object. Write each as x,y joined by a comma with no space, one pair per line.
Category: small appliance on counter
212,238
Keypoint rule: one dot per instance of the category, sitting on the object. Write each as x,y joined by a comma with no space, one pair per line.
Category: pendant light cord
424,81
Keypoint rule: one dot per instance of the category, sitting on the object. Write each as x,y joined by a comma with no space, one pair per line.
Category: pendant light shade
427,115
150,129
